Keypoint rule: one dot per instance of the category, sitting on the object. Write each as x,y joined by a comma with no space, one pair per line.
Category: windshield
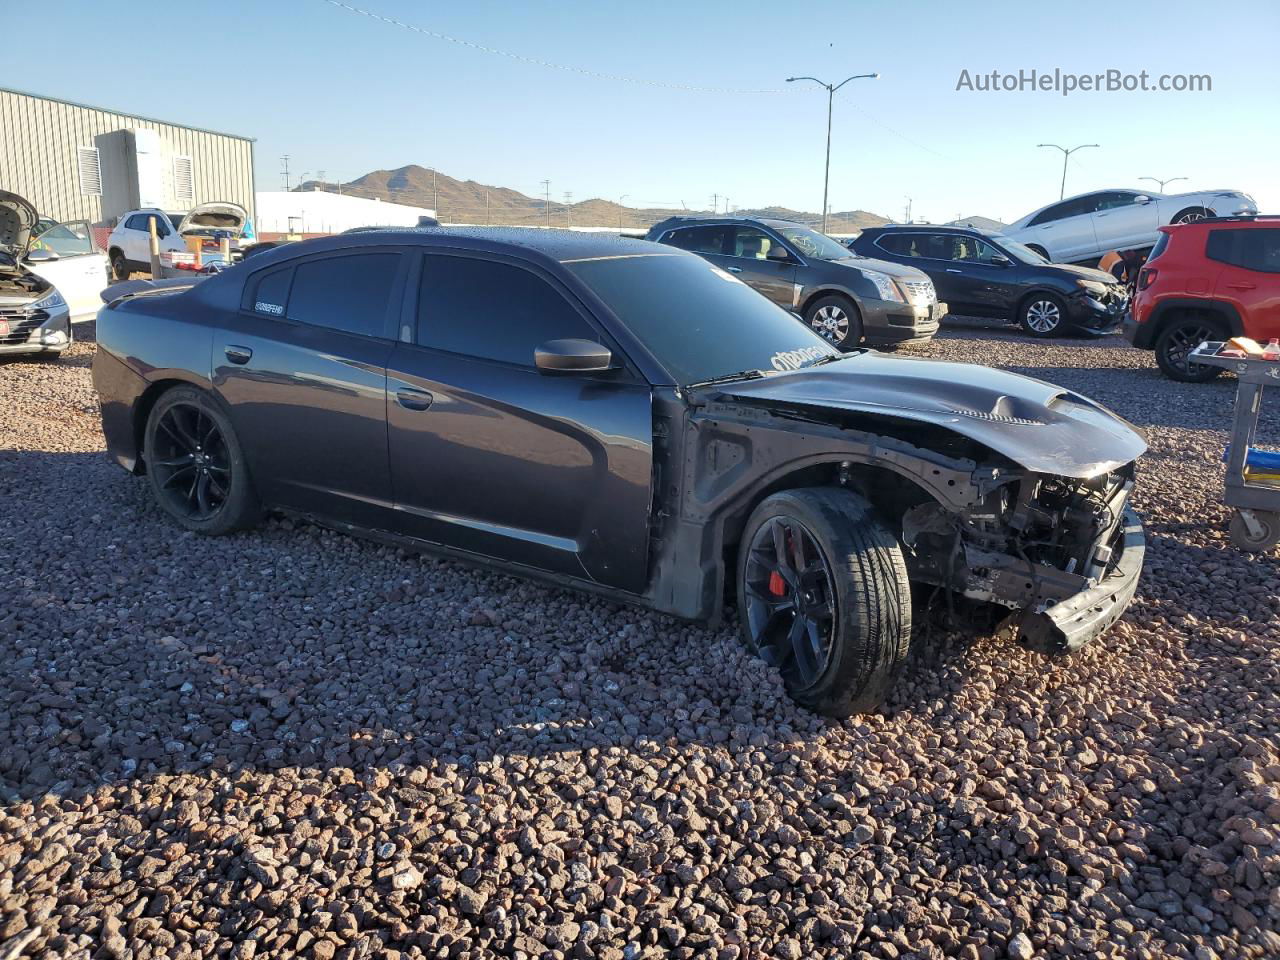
815,245
697,320
1025,254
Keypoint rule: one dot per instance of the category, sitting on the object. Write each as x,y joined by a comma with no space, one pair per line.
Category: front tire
1043,315
1191,215
119,265
196,466
823,595
837,320
1178,339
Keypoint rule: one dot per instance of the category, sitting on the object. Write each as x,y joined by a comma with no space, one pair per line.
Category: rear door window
492,310
350,292
269,295
899,244
704,240
1251,249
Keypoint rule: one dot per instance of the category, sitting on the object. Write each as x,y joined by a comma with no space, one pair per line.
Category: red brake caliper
777,586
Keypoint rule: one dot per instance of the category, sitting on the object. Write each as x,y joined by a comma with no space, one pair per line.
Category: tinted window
495,311
1068,208
271,295
1162,242
710,240
1251,249
813,244
136,222
1116,198
66,239
751,243
344,293
902,244
697,320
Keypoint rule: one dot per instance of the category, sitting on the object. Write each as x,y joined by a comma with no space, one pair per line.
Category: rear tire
1043,315
1177,339
196,466
837,320
1191,215
835,614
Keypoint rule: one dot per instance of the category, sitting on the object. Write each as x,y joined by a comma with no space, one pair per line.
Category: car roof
696,221
557,245
930,228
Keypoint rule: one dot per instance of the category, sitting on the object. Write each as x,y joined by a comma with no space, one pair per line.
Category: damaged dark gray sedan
629,419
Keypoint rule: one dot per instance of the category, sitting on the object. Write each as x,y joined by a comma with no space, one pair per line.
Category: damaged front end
1063,554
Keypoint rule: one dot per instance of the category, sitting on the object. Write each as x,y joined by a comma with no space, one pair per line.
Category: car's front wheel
823,595
1178,339
837,320
196,466
1043,315
1192,214
119,266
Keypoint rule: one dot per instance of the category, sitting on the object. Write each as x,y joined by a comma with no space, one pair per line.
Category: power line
534,61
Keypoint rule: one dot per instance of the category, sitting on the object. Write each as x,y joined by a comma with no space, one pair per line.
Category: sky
344,93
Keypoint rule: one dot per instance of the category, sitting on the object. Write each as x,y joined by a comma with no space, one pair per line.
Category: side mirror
1142,198
572,356
41,256
1001,261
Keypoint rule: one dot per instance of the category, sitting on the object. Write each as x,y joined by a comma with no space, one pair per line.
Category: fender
1220,308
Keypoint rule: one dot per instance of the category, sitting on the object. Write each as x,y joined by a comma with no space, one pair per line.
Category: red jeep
1207,280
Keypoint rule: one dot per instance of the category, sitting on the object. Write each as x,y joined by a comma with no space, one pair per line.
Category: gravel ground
295,743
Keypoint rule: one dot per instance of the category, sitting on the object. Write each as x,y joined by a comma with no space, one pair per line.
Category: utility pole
715,203
435,189
568,199
546,198
285,172
1162,182
1062,191
620,199
486,206
831,92
320,177
908,219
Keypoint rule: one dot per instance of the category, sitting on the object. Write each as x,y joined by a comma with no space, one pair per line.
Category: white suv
129,247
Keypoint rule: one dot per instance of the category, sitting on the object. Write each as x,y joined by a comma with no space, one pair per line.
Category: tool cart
1253,476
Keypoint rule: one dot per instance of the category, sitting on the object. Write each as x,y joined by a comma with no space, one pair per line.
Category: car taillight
1146,277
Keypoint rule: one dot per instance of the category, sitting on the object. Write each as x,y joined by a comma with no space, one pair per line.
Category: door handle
240,355
734,269
953,270
1243,286
412,399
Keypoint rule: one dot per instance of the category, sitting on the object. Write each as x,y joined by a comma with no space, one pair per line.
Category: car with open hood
628,419
845,297
50,273
129,246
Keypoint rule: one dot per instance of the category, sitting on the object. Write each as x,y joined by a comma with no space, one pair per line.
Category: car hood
900,270
1043,427
1085,273
17,218
216,215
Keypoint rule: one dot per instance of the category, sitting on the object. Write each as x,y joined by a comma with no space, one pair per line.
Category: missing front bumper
1066,625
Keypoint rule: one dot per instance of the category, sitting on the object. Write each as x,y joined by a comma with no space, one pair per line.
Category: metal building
77,162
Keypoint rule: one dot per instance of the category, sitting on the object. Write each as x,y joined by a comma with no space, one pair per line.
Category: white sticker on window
795,359
272,308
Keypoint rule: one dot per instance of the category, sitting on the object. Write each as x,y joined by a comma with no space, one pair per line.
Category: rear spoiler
127,289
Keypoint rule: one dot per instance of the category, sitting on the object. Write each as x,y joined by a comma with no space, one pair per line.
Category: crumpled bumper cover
1069,624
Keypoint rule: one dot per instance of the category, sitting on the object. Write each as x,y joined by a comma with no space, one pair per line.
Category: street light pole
1062,191
831,93
1162,182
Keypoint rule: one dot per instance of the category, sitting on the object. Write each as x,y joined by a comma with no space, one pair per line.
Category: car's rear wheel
1043,315
1191,215
119,266
823,595
837,320
1178,339
196,466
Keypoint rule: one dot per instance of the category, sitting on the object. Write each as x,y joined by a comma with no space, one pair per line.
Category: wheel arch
1171,310
1194,208
147,401
811,298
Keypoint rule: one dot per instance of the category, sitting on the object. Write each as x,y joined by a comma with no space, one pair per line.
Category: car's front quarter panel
140,346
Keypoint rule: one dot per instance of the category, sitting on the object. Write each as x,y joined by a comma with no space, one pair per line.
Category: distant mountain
466,201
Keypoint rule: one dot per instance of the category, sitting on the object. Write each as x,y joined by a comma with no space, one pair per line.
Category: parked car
846,299
129,245
624,418
1207,280
44,281
988,275
1081,229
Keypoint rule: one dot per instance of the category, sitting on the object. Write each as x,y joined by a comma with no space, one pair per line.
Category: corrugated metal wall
38,142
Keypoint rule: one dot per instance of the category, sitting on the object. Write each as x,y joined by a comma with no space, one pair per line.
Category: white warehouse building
318,211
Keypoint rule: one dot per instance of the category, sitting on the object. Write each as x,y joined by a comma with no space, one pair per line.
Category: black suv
846,298
988,275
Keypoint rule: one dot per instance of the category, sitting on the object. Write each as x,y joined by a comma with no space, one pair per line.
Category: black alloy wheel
1177,341
790,605
195,465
